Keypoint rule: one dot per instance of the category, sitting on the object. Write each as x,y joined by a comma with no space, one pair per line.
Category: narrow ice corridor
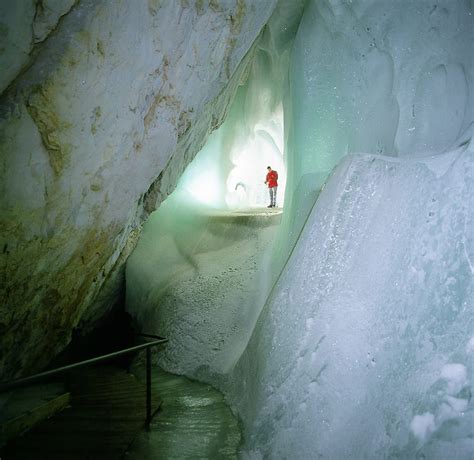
202,261
337,325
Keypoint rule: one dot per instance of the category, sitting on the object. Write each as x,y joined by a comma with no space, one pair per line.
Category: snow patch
470,346
455,376
423,426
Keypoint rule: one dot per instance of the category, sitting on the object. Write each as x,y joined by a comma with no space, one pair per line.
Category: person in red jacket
272,182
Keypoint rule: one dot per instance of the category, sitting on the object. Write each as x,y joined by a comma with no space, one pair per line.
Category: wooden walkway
194,422
106,414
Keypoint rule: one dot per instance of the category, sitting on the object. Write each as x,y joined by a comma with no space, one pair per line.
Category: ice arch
229,171
364,345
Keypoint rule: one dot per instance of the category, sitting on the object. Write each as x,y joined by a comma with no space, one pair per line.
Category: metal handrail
18,383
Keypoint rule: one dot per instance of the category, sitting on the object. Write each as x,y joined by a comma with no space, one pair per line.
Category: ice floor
193,422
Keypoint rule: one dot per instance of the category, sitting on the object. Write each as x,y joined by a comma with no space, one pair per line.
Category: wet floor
246,212
194,422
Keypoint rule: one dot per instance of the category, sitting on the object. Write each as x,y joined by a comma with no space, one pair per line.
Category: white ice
423,425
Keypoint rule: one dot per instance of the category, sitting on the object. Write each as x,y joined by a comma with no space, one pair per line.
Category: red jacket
272,178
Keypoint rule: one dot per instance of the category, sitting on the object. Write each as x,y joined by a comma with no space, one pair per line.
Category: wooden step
26,407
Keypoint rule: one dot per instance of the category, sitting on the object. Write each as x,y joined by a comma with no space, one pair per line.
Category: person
272,183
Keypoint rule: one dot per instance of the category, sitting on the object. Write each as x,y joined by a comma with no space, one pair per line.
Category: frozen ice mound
365,346
197,277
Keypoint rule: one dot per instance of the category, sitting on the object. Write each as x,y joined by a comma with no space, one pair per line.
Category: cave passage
202,261
344,325
337,325
229,172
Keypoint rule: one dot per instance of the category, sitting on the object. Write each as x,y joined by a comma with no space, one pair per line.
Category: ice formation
391,78
363,340
197,277
364,346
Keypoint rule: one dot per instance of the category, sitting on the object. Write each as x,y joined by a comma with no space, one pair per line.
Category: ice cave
135,142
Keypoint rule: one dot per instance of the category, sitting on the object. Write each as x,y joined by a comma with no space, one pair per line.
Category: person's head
269,168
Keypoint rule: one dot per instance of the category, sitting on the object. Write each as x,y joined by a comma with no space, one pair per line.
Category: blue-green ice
343,327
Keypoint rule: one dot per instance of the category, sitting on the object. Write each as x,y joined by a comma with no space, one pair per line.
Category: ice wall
364,349
392,78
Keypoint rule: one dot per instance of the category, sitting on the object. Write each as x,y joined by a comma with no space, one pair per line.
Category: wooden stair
22,409
107,412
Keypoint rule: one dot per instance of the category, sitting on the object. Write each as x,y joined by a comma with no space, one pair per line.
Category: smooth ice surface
193,422
363,347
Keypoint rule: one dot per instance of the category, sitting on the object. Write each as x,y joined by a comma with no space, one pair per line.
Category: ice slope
365,347
197,278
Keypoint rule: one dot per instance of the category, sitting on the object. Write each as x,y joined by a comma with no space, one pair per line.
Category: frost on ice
423,425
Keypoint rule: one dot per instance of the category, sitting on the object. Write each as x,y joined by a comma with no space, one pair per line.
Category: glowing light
205,188
250,160
229,172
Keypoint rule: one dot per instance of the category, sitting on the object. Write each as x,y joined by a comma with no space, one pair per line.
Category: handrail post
148,386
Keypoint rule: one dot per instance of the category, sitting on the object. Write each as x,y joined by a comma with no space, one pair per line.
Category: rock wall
104,103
